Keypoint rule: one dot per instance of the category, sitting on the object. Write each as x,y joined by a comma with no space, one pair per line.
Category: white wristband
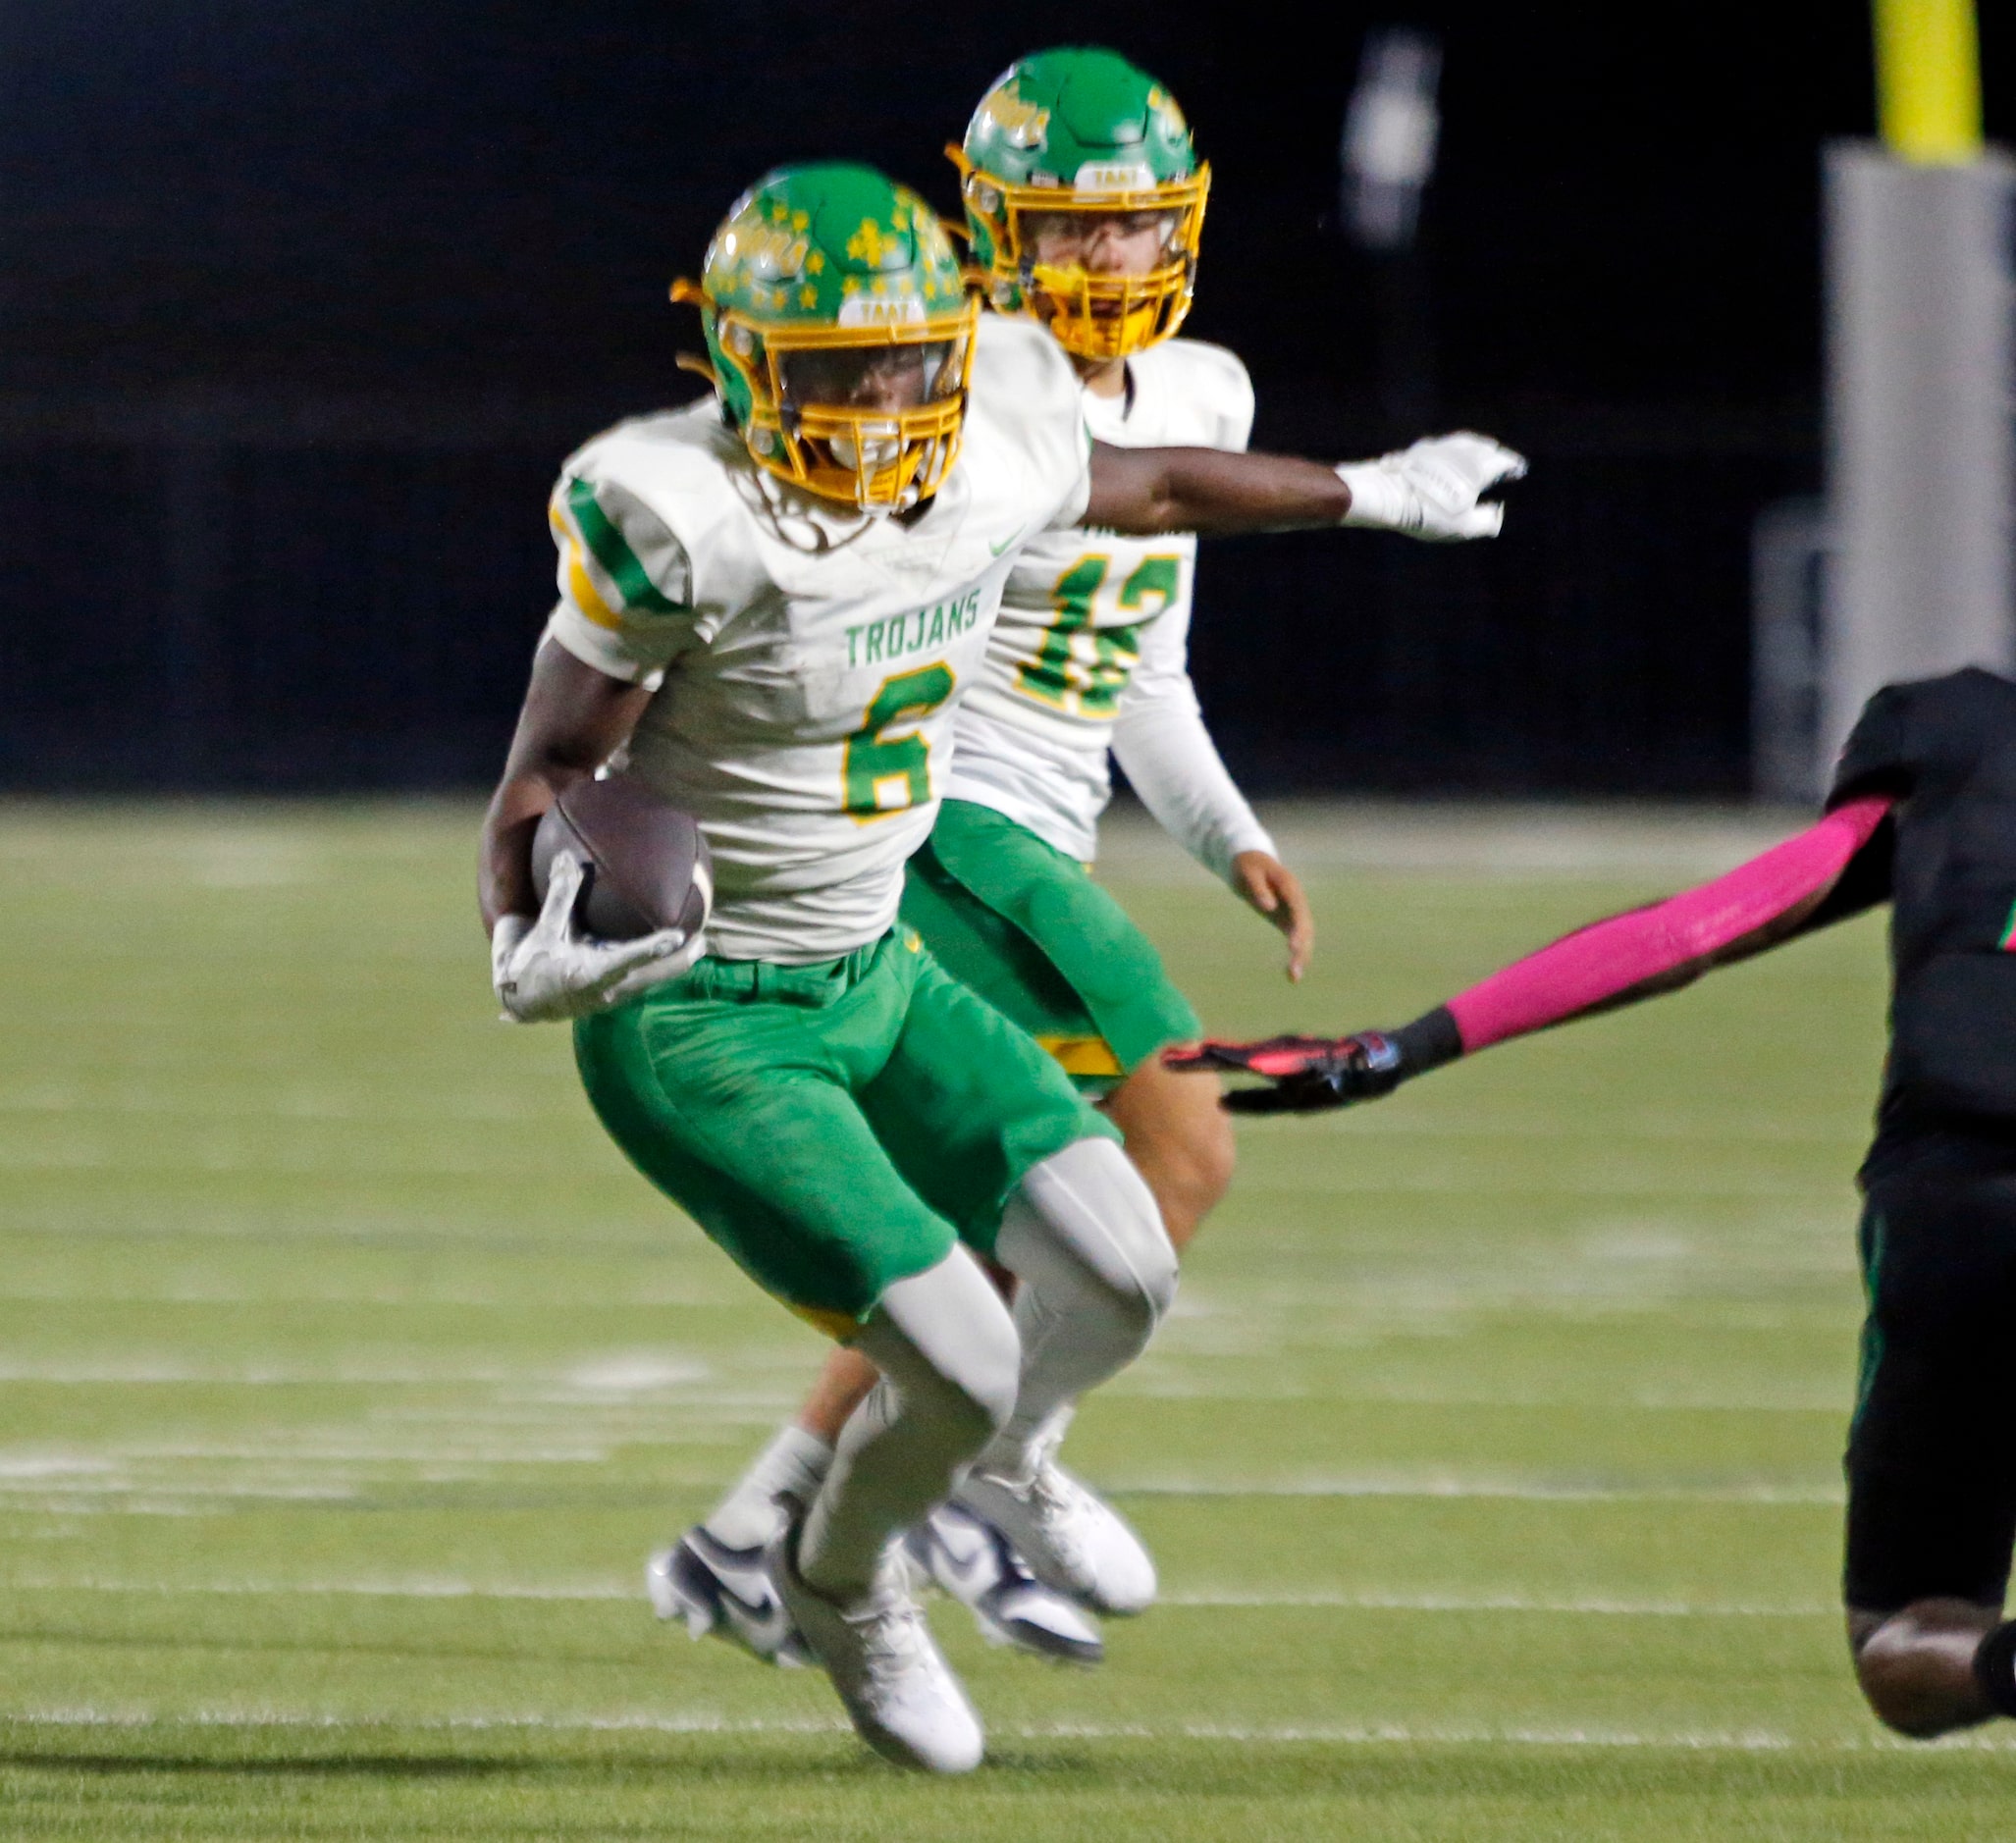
1379,497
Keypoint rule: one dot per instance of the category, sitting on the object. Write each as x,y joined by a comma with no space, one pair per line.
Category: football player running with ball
1922,815
770,603
1085,199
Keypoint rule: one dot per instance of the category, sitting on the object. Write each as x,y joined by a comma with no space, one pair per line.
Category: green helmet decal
836,257
1078,129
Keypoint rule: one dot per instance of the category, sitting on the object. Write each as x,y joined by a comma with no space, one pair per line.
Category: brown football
647,863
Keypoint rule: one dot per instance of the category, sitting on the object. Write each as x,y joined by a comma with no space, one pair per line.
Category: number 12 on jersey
1082,668
884,773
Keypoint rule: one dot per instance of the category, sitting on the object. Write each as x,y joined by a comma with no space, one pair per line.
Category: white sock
794,1462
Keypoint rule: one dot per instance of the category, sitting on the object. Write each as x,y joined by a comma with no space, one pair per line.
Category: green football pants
834,1126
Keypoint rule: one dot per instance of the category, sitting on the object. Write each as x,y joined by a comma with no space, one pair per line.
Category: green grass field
348,1374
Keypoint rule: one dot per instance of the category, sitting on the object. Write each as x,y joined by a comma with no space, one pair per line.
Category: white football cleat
899,1692
713,1588
1066,1536
975,1564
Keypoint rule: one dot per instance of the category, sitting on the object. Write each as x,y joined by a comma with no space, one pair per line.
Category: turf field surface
347,1374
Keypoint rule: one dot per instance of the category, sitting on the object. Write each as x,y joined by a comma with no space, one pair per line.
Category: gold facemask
879,458
1091,315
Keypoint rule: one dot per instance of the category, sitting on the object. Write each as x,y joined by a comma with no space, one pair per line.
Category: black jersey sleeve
1947,748
1879,757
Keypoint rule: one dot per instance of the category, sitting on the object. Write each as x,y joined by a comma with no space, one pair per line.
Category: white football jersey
805,659
1091,652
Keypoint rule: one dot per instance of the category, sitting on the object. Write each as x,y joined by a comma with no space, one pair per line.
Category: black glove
1312,1073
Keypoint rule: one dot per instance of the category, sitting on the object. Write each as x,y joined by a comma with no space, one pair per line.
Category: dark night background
303,303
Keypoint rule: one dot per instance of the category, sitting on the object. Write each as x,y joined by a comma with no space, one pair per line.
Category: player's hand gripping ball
625,888
1305,1073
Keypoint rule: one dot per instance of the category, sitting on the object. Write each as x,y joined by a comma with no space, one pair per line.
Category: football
647,864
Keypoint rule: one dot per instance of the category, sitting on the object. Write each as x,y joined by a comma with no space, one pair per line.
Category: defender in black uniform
1923,814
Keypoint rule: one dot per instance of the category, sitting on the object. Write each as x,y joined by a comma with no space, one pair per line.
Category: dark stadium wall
302,308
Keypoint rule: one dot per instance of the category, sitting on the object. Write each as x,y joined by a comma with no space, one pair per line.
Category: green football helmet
840,329
1080,133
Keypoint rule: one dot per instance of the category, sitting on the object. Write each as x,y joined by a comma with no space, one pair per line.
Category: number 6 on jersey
885,773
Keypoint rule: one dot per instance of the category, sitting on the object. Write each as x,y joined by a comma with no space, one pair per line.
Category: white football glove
1430,490
546,969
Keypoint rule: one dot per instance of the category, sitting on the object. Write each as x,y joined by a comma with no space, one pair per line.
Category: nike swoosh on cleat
732,1593
962,1579
763,1622
765,1627
763,1614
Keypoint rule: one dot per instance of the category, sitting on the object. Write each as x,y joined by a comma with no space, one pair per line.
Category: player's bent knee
1213,1153
1097,1233
1191,1174
1183,1143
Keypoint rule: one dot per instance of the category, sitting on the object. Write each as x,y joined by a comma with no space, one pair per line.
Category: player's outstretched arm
1433,489
1832,869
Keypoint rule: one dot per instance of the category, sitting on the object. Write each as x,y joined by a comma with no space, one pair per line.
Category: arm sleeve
625,582
1161,744
1679,936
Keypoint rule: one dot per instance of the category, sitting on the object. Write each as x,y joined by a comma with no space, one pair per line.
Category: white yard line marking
403,1109
1376,1601
1530,1489
708,1721
1369,1600
64,1492
419,1588
68,1495
700,1721
1665,1186
1848,1132
172,1497
616,1378
144,1372
1163,1386
412,1105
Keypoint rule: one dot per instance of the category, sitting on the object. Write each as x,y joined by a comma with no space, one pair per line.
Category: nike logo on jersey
871,642
995,550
